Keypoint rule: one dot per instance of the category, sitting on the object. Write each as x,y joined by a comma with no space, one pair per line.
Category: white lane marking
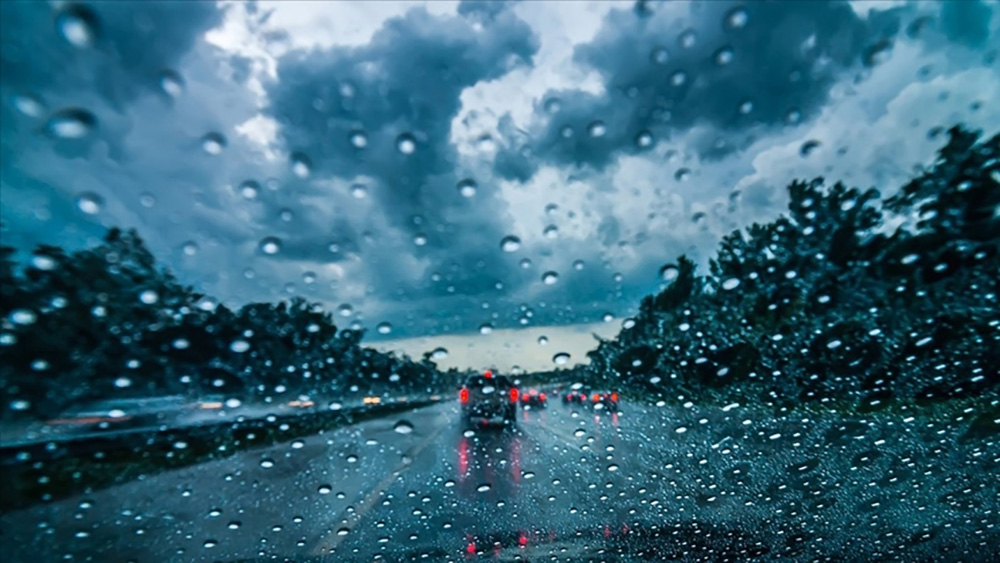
332,540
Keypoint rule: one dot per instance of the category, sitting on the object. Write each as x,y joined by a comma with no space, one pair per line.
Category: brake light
513,394
595,397
488,374
614,397
542,396
463,395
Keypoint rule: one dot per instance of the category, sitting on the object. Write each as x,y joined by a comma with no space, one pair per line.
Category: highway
569,484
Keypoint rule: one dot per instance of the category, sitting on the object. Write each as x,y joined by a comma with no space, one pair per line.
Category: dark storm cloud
131,44
776,61
967,23
399,92
97,57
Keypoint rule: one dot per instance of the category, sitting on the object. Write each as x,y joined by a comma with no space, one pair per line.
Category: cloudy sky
473,175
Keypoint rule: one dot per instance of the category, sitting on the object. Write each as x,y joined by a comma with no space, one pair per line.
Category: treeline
848,296
107,322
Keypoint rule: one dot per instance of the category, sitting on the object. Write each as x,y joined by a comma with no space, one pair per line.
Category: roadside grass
52,471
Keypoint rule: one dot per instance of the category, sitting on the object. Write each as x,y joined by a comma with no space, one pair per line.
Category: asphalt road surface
569,484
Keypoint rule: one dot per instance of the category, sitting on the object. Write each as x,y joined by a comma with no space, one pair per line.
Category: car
534,398
576,396
604,400
487,398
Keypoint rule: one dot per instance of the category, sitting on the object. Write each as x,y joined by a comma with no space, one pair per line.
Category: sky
464,175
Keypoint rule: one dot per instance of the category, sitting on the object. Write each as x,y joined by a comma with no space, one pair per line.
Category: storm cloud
737,67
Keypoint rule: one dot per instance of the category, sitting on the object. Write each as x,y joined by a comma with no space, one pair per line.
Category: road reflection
489,465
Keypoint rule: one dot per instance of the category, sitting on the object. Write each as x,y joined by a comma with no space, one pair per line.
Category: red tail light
542,396
595,397
463,395
513,394
614,397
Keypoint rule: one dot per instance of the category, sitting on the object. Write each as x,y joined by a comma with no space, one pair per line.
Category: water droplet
28,105
270,245
483,488
578,265
736,18
612,467
20,405
553,105
301,165
561,359
403,427
467,187
682,174
543,340
213,143
644,139
659,56
550,278
345,310
439,353
267,463
325,489
406,144
211,543
189,248
43,262
687,39
510,243
181,344
359,191
793,116
90,203
123,382
731,284
351,458
678,78
485,328
239,346
681,430
309,277
384,328
597,129
234,525
71,123
149,297
551,232
358,139
746,107
525,263
78,25
724,56
171,83
343,531
808,147
669,272
23,317
910,259
608,317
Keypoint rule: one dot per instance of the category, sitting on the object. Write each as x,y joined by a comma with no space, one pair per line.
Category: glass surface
503,281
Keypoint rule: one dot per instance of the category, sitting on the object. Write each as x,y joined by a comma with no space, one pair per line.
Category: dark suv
486,398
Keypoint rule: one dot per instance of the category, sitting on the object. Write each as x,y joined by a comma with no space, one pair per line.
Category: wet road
569,484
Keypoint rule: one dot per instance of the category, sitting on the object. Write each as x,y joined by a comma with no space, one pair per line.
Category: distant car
488,398
534,398
576,396
606,400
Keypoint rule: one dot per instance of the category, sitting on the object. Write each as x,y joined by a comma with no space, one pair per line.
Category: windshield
505,281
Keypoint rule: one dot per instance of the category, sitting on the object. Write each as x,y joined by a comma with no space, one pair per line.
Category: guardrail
49,470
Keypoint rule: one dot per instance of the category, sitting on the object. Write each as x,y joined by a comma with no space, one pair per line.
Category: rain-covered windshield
499,281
